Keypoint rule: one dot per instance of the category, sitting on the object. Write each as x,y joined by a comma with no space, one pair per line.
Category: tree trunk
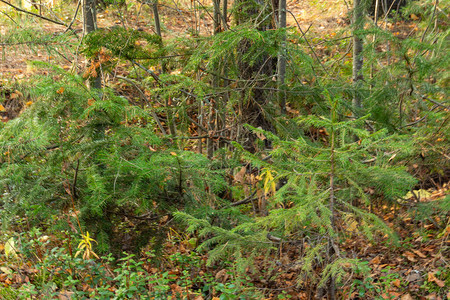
282,57
252,105
217,18
225,14
89,16
89,25
358,26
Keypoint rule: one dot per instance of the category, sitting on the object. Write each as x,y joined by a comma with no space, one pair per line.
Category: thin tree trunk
282,57
170,119
217,18
332,281
89,17
375,21
212,125
225,14
90,25
358,26
156,16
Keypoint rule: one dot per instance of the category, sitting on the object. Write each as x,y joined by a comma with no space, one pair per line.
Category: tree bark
90,25
358,26
217,18
252,105
89,17
282,57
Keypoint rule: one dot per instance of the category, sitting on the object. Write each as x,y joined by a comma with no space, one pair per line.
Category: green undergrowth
43,267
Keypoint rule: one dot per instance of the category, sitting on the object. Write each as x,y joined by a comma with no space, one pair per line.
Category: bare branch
33,14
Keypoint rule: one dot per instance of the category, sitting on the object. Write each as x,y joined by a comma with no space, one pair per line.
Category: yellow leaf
422,194
173,153
2,108
10,248
60,91
29,103
6,270
269,182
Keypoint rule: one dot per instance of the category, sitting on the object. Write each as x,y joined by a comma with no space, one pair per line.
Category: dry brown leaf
390,295
429,248
65,295
376,260
433,278
420,254
222,275
406,297
410,256
239,177
397,282
260,135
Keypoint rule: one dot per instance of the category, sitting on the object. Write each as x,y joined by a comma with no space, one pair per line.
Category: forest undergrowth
194,173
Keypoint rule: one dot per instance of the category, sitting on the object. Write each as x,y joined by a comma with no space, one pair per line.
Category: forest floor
415,269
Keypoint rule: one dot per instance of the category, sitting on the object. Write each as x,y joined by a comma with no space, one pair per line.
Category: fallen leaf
397,282
410,256
222,275
239,176
10,248
392,157
406,297
433,278
376,260
414,276
390,295
260,135
420,254
16,94
6,270
63,295
2,108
